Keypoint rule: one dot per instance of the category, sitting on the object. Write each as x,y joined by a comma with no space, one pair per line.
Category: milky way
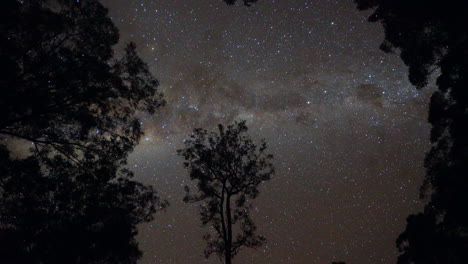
347,129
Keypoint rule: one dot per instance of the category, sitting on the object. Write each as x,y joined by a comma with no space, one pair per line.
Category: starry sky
347,130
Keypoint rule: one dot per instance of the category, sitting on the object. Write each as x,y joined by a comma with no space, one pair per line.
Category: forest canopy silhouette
71,200
74,101
432,39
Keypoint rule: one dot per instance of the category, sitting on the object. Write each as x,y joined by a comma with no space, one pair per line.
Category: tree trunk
227,260
227,251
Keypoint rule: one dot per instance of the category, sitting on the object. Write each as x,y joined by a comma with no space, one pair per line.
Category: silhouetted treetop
428,33
433,35
228,168
63,89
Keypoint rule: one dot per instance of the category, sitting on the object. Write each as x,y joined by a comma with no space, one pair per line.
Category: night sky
347,130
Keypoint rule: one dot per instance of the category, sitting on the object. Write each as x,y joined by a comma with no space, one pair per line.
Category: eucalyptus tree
228,168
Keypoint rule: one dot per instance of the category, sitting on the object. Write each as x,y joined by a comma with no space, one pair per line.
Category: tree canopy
228,168
63,88
66,93
428,34
432,39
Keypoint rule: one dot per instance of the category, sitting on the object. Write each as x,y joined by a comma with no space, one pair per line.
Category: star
344,124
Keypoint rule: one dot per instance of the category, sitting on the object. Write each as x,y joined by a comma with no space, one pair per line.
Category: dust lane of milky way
347,129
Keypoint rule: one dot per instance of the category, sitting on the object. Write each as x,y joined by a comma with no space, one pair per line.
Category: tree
65,93
63,89
67,214
228,168
432,38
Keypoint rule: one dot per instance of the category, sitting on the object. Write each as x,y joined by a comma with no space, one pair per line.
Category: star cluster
347,129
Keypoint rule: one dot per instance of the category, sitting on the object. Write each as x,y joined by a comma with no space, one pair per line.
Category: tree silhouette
432,38
67,214
70,200
64,90
228,168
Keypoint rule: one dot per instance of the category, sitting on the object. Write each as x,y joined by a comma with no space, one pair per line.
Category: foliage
228,168
68,215
63,89
432,38
67,94
428,33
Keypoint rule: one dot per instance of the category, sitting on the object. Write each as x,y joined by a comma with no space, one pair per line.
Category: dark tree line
432,39
228,168
65,93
